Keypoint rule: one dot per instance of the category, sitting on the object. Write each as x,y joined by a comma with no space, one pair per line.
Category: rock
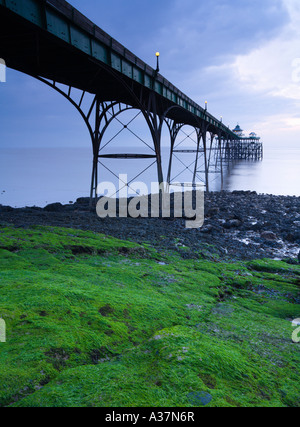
238,192
249,240
82,200
223,310
194,307
269,235
207,229
54,207
293,237
233,223
199,398
34,208
212,212
5,209
244,193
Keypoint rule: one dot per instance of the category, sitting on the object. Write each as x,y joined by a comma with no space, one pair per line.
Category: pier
53,42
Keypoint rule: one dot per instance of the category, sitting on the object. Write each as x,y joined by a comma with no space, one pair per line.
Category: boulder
269,235
82,200
54,207
232,223
5,209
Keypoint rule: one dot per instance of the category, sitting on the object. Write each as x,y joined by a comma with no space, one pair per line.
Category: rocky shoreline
238,225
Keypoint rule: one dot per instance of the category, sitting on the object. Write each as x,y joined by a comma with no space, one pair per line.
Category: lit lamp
157,57
205,105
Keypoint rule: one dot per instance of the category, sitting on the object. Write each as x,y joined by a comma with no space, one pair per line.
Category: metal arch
178,107
68,97
201,127
107,115
97,135
154,120
150,115
113,103
113,55
202,134
106,107
110,106
174,131
216,155
132,87
173,127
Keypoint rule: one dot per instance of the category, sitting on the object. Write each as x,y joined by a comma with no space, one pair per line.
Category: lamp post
157,68
157,57
205,105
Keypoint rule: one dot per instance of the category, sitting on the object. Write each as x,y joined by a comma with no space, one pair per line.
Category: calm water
41,176
278,173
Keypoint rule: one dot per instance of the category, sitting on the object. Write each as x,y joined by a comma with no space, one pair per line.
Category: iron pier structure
53,42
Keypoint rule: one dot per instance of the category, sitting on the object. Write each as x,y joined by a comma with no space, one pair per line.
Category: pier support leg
204,136
221,160
174,129
199,138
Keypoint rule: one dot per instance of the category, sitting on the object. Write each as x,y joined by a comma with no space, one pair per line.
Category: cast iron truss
53,42
209,151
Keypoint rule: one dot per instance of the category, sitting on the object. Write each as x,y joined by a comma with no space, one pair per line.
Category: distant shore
238,225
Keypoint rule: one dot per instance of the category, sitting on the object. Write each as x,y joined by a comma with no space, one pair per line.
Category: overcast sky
242,56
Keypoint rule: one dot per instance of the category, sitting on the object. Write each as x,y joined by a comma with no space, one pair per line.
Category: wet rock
207,229
5,209
83,201
234,227
212,212
293,237
54,207
269,235
233,223
200,398
223,310
33,208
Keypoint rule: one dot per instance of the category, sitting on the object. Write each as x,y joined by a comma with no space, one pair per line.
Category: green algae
96,321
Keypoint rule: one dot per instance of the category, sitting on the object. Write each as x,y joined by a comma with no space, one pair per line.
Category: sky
242,56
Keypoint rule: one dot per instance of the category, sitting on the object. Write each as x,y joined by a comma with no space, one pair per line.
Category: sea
41,176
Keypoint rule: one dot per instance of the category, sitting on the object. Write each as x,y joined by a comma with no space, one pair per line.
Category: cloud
280,122
279,131
201,31
260,88
240,55
274,67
